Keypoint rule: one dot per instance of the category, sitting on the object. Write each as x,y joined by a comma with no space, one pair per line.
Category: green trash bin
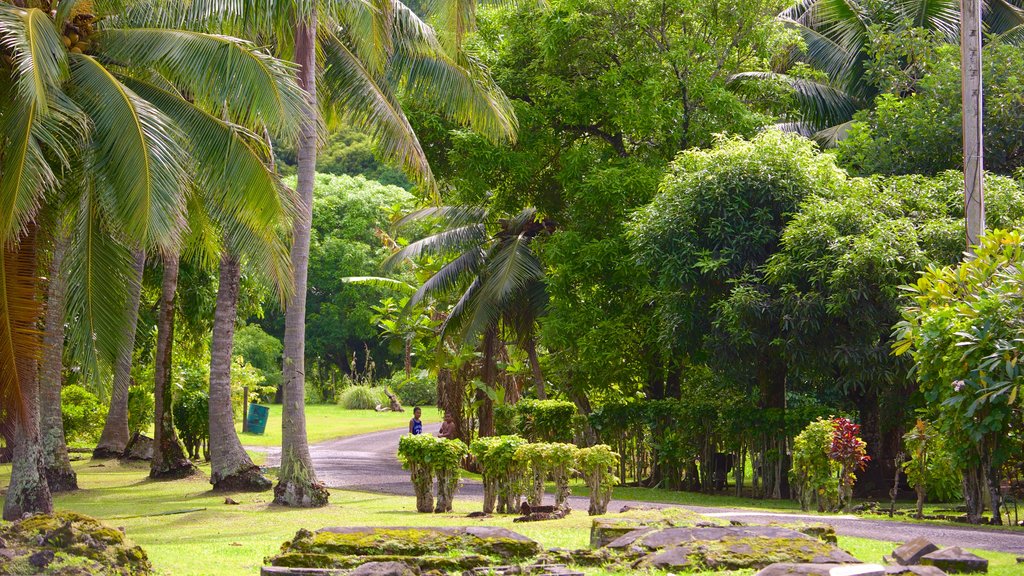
256,423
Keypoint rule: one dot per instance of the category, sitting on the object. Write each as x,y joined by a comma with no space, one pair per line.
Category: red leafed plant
850,451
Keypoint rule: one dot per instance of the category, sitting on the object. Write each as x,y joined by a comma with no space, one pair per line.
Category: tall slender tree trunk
297,484
485,413
115,434
28,491
56,466
538,376
232,469
169,459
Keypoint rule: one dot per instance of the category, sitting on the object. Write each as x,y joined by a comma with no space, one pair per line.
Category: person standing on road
416,425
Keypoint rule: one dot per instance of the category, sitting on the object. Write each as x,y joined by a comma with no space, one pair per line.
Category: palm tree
94,117
496,279
838,35
361,57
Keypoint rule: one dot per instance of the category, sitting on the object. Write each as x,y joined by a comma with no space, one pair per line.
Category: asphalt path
368,463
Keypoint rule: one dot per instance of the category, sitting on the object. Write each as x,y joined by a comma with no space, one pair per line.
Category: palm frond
231,162
99,274
826,54
138,156
1013,36
367,27
380,282
510,270
40,60
461,90
20,310
450,277
830,137
820,105
218,71
447,216
942,16
455,19
1002,17
357,95
454,240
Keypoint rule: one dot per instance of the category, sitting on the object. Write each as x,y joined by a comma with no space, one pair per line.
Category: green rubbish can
256,423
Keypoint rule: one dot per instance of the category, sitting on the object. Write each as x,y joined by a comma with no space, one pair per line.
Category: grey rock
140,447
385,569
911,552
956,561
677,558
788,569
41,559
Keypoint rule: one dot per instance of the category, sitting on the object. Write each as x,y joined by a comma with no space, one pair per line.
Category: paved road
368,463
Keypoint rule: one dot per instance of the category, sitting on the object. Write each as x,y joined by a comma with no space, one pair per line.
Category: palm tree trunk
169,459
56,466
115,434
297,484
538,376
485,414
28,491
231,467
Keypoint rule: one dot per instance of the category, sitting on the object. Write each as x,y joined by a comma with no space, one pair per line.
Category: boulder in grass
911,552
605,529
955,560
729,548
385,569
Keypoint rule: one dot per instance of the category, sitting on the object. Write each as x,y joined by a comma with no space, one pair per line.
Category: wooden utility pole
970,70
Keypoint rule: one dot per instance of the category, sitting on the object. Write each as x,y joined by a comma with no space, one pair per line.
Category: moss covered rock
442,549
606,529
820,530
69,544
725,548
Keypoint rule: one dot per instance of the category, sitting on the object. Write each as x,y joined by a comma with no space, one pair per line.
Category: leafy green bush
502,471
597,464
930,469
191,418
538,420
362,397
548,459
140,408
418,390
426,457
814,473
82,414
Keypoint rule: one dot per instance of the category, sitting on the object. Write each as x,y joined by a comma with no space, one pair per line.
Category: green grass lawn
230,539
329,421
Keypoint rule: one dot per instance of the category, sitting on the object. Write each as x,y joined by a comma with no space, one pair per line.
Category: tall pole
970,70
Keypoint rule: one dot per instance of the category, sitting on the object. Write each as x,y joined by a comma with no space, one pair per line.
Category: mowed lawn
188,530
328,421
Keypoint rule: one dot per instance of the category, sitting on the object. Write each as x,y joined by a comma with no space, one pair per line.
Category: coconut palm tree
356,60
96,117
838,34
495,278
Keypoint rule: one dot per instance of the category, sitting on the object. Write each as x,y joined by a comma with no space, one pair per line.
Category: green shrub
538,420
502,472
191,418
361,397
597,464
814,474
548,459
83,415
418,390
930,469
140,408
426,457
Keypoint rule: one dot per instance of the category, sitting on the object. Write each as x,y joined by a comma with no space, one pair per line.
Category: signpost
970,70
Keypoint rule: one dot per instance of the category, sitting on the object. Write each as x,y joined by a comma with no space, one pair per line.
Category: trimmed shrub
82,414
361,397
426,457
814,473
502,471
597,464
538,420
548,459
